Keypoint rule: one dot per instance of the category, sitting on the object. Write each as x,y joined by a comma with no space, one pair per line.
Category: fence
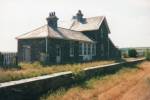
8,59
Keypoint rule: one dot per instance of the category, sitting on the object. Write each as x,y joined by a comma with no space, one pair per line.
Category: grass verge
36,69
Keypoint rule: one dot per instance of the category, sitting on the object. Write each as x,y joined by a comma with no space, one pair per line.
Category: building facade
80,39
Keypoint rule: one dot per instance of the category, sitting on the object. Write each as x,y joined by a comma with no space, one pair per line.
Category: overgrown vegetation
91,85
125,55
28,70
132,53
147,54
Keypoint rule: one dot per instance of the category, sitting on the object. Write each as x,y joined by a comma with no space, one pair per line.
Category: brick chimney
52,20
79,16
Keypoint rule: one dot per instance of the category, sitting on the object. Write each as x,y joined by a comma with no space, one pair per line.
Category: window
89,49
80,49
58,51
71,49
93,49
84,48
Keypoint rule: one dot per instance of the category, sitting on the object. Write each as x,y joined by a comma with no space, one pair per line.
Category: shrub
125,55
147,54
132,53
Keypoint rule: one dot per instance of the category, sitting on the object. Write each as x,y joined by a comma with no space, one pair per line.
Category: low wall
30,89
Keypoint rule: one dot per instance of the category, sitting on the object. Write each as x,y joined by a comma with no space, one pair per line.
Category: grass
27,70
91,87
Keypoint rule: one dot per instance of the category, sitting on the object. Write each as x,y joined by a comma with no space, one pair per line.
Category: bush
125,55
132,53
147,55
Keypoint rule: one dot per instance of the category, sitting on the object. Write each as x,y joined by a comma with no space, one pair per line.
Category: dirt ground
132,86
135,87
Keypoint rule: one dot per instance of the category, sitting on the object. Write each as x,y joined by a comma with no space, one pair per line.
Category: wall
109,50
65,50
37,46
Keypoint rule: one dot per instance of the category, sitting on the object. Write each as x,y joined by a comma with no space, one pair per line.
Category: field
36,69
130,83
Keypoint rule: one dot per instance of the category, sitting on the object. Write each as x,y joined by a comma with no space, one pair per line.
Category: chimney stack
52,20
79,16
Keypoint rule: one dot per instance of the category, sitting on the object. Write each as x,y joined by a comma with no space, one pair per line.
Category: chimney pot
52,20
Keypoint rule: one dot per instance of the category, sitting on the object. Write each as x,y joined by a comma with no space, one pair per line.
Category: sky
128,20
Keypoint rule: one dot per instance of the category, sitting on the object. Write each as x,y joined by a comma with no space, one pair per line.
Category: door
58,54
27,54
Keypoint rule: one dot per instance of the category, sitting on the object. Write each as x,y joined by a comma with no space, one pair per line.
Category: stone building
80,39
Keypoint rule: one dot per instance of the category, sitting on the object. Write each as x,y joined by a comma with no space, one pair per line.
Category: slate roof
59,33
71,30
89,24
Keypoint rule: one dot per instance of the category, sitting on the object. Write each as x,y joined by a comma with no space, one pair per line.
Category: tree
147,54
132,53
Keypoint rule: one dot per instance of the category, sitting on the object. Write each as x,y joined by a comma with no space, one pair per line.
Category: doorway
58,54
27,53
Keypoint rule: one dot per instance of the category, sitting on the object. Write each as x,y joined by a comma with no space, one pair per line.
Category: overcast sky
129,20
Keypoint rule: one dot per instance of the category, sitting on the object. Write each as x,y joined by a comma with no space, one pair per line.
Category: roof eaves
91,41
31,38
29,32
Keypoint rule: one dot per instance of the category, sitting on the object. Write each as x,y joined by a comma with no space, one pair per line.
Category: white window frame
86,48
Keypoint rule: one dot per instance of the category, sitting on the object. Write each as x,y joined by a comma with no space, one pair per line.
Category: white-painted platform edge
101,66
11,83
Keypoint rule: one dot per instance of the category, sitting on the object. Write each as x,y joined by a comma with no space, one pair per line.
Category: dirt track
133,86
